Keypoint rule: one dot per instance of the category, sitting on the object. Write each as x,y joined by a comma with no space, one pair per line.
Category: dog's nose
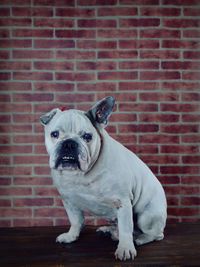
70,144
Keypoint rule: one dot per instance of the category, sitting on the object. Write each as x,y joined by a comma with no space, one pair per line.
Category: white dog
95,173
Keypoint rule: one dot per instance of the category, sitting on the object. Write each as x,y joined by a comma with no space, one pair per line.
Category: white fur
115,185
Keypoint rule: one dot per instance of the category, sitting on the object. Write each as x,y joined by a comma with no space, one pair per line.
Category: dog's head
73,138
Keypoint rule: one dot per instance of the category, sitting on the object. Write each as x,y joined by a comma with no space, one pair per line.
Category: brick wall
72,52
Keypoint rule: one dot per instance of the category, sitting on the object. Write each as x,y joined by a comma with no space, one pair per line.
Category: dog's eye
55,134
87,137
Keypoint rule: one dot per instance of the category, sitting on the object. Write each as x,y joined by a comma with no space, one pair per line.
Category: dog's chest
93,198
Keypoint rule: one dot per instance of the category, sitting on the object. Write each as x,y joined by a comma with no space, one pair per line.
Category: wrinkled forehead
72,121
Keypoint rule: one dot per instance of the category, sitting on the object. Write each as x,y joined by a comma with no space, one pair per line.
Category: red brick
191,139
183,211
159,75
179,169
30,202
32,181
181,2
117,11
14,43
75,33
160,54
52,65
190,201
5,203
190,180
160,33
52,86
33,11
75,12
97,23
5,223
159,139
4,54
45,43
105,86
180,149
179,107
49,212
29,160
159,159
160,11
15,191
5,98
181,129
134,44
33,54
170,180
180,85
32,97
32,222
163,118
180,44
14,212
32,33
117,75
5,76
139,2
192,33
32,76
194,75
191,159
106,65
189,118
117,54
195,55
15,65
138,107
84,76
74,98
4,33
191,11
15,22
117,33
54,3
96,2
181,23
93,44
54,23
139,65
163,97
138,128
86,65
180,65
149,22
4,11
138,85
42,170
190,96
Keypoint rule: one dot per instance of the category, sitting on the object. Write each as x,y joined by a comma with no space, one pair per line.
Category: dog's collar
63,108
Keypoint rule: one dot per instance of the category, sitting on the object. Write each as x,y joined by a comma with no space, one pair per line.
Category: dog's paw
66,238
125,252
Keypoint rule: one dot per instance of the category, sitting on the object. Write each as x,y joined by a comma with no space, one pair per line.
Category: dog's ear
46,118
101,111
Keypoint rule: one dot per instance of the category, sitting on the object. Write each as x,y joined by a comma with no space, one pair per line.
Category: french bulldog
95,173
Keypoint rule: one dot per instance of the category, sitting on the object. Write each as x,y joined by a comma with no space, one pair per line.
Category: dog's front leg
76,219
126,249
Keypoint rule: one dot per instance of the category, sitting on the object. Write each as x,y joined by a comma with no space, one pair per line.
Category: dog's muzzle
68,155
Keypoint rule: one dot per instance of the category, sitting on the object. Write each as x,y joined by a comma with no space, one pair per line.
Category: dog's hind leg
151,227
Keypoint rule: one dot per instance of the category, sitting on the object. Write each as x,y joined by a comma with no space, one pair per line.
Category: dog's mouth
67,162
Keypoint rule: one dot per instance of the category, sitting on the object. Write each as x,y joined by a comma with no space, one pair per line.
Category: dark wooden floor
36,246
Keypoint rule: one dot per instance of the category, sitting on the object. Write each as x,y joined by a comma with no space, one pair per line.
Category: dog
93,172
